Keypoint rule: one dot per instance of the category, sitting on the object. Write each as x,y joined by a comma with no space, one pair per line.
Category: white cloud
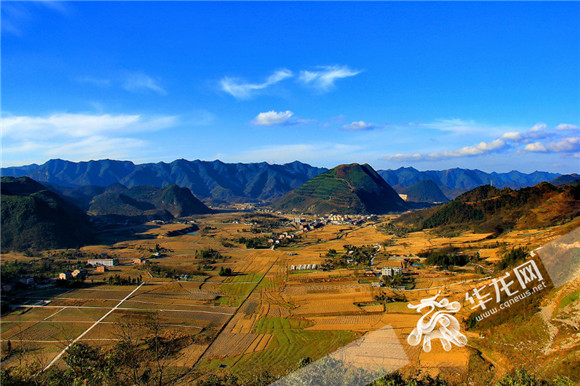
17,16
539,127
566,145
467,151
80,125
78,136
454,125
526,141
244,90
324,77
358,126
271,118
139,82
567,126
512,136
535,147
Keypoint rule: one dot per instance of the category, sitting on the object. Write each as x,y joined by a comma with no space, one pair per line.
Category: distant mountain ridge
345,189
454,182
219,182
213,181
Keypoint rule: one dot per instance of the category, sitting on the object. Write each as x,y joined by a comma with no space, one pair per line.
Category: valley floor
266,317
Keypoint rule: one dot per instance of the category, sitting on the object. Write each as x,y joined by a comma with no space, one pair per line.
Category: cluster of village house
100,265
304,226
385,271
335,219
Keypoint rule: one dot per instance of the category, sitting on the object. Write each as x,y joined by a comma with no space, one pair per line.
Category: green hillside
424,191
488,209
34,217
148,201
346,189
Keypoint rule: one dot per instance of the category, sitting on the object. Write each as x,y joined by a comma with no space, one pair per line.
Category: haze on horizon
489,86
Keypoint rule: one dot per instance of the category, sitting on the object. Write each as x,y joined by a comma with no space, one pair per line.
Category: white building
103,262
391,271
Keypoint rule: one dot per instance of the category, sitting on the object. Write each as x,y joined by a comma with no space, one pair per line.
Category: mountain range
345,189
217,182
453,182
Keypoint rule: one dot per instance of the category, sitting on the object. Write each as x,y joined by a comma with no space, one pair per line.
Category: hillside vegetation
346,189
149,201
34,217
424,191
488,209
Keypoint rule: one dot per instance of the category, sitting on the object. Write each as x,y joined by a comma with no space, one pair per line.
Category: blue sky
492,86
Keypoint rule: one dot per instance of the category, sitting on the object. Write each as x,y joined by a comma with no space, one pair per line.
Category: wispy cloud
79,136
17,15
565,145
467,151
271,118
359,126
80,125
138,82
133,81
241,89
324,77
567,126
455,126
537,139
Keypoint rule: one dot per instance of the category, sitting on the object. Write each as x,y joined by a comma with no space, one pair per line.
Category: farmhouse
101,269
139,261
65,275
80,273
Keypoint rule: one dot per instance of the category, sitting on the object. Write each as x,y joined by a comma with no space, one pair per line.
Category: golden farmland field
265,316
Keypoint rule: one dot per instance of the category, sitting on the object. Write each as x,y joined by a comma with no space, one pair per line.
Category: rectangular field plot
12,329
288,343
346,323
29,314
98,294
47,331
237,289
247,277
78,315
84,303
198,319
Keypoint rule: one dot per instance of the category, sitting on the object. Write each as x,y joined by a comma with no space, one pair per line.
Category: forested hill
345,189
489,209
34,217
